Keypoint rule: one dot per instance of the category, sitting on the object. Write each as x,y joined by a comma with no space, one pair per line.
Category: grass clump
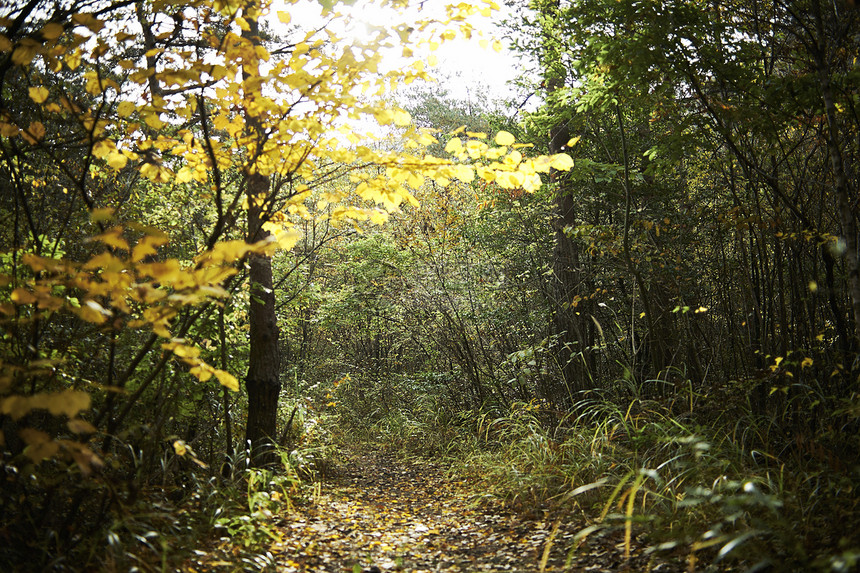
689,490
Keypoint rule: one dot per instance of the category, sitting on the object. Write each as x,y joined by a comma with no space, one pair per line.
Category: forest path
382,514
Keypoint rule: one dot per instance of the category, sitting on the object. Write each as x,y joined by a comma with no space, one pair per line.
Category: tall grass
734,494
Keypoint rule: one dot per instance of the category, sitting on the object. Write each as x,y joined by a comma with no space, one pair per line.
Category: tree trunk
844,194
263,381
567,319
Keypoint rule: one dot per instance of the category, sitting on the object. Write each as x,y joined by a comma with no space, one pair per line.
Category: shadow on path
380,514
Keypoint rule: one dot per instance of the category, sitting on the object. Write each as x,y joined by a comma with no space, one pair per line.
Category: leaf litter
380,514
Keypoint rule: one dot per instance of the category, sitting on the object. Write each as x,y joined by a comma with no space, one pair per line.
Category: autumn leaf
147,246
40,446
38,94
67,402
52,31
227,380
125,108
25,51
22,296
79,426
180,448
101,214
88,20
562,162
117,159
34,133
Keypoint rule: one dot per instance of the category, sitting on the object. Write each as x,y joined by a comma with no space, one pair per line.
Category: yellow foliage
25,51
562,162
38,94
52,31
34,133
504,138
294,118
68,403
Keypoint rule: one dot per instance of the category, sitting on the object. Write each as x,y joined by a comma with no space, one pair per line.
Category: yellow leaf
125,108
117,160
52,31
100,215
8,129
202,371
104,261
153,121
287,239
561,161
384,116
22,296
284,17
806,362
378,217
227,380
454,146
73,59
402,119
147,246
84,457
34,133
79,426
88,20
91,311
40,446
156,173
25,51
102,148
68,402
180,448
504,138
38,95
165,272
464,173
113,238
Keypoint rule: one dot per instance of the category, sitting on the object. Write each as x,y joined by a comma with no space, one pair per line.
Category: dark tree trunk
845,195
567,321
263,379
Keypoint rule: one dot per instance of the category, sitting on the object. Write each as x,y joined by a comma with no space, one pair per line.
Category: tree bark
263,382
844,194
566,319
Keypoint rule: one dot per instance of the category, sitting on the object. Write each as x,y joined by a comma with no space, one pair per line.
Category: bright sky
475,66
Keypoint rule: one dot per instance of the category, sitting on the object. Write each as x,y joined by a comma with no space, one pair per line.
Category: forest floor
380,514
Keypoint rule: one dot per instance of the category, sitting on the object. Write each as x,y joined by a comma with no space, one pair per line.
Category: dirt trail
381,515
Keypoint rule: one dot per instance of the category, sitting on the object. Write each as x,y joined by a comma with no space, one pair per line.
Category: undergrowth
193,517
712,495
